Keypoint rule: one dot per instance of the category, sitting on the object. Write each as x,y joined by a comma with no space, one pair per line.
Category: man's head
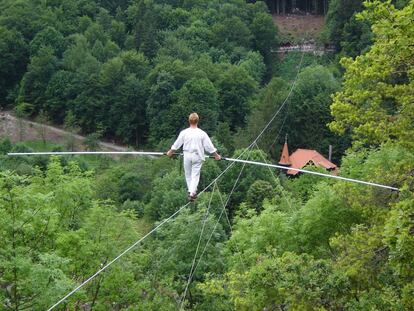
193,118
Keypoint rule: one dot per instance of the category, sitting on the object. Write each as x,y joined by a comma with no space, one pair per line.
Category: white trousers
192,168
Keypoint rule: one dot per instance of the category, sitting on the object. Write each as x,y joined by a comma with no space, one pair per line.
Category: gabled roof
302,157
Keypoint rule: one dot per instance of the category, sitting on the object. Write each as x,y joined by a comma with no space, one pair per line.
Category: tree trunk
95,296
98,287
272,8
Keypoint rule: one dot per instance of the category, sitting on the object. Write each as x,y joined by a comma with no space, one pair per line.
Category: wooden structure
302,157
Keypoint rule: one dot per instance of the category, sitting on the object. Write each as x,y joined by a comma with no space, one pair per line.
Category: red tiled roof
284,158
301,157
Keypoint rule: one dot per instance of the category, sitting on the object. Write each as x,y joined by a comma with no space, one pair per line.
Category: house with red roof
303,157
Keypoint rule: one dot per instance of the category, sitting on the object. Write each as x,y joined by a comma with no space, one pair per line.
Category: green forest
131,71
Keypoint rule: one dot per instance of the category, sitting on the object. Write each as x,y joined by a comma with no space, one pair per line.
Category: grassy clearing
40,146
287,66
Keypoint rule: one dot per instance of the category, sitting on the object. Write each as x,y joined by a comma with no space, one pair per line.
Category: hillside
295,28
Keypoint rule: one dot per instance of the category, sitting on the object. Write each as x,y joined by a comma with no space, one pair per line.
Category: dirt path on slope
18,129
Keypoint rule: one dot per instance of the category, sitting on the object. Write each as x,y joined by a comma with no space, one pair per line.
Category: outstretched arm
209,147
177,145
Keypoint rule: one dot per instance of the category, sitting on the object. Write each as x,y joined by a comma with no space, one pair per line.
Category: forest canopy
256,239
92,61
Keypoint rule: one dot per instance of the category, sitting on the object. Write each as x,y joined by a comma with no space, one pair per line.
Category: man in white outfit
194,142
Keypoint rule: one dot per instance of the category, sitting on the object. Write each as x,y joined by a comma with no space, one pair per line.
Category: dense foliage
158,60
133,70
376,103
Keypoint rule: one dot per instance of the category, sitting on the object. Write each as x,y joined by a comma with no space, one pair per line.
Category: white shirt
194,140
